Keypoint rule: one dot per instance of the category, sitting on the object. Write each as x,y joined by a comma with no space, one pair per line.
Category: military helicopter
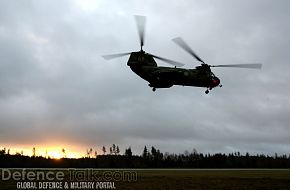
144,65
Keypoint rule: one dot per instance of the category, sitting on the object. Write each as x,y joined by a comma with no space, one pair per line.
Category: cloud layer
56,88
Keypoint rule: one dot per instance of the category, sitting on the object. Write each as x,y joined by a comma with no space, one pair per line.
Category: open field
213,179
196,179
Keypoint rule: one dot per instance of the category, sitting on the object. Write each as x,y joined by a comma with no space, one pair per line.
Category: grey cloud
54,83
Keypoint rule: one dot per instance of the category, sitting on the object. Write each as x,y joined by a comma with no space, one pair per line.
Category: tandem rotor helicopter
144,65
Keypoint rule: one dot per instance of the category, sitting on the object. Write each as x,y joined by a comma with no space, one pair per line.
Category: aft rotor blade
141,22
179,41
174,63
113,56
247,66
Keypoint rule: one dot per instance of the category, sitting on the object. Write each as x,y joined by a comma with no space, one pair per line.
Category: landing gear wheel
153,89
207,91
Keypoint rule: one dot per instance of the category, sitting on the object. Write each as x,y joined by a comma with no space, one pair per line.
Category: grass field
199,180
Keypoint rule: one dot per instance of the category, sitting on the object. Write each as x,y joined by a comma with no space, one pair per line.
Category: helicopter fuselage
165,77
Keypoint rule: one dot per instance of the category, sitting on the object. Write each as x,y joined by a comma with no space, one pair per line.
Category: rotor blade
248,66
175,63
113,56
141,21
179,41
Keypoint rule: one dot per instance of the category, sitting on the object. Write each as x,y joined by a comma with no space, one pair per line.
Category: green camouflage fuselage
145,66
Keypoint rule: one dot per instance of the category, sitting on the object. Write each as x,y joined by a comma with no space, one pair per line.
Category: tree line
150,158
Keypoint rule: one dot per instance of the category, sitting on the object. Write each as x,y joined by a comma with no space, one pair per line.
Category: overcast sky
56,89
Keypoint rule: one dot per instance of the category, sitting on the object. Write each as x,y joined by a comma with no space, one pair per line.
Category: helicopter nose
215,82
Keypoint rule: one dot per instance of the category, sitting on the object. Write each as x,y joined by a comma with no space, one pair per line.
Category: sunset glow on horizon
54,152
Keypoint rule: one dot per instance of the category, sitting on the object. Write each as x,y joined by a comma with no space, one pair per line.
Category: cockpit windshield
212,75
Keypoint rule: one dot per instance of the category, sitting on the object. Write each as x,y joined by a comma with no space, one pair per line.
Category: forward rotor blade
174,63
179,41
141,22
247,66
113,56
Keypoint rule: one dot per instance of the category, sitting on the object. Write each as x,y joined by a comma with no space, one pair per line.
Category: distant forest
150,158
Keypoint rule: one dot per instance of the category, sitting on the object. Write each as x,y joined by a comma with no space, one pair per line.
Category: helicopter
144,65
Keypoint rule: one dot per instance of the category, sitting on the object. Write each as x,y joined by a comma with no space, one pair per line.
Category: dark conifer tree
145,153
128,152
104,150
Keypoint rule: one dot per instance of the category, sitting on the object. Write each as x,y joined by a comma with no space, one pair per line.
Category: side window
141,58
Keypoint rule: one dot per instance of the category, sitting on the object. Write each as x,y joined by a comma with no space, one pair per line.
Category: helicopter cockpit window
212,75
